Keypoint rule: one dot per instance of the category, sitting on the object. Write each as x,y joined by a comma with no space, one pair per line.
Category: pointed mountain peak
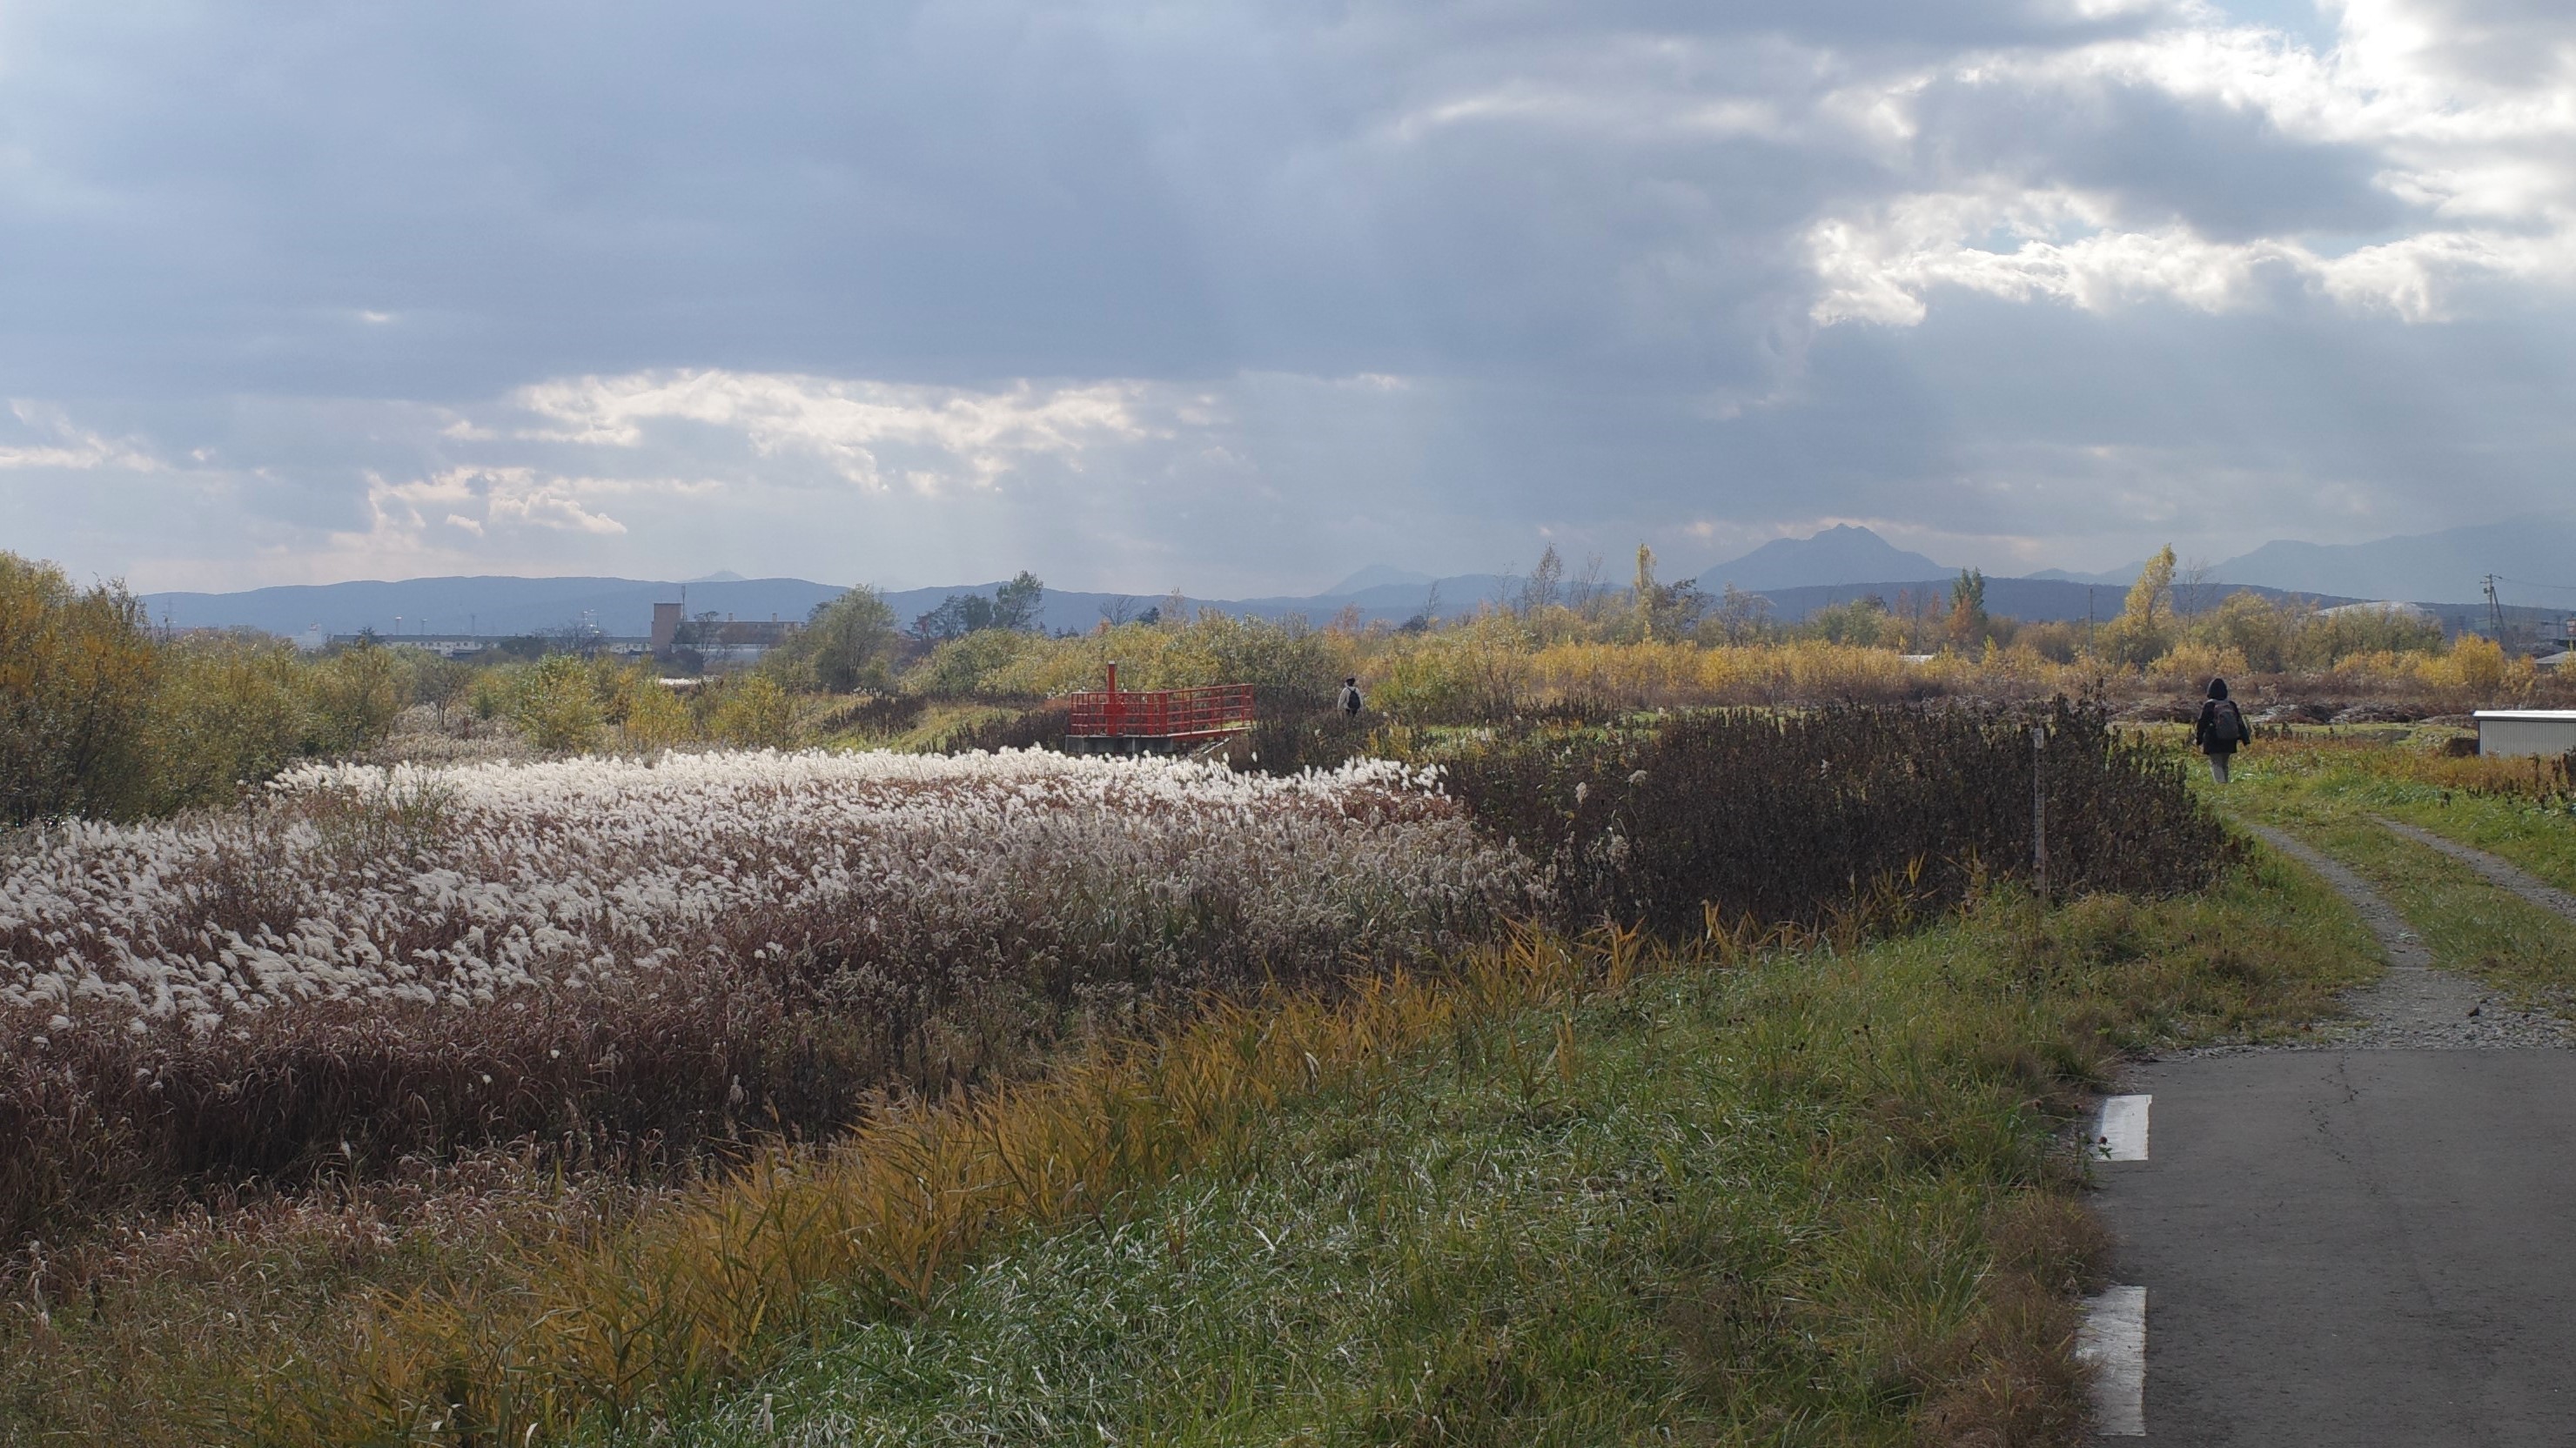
1844,553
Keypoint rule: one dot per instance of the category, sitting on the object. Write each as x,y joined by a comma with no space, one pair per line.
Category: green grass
2537,834
2540,840
2468,923
1814,1198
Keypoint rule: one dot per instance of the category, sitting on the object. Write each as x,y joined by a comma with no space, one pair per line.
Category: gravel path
2498,871
2415,1006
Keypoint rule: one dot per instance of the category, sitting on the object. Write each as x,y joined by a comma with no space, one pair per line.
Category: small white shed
2515,733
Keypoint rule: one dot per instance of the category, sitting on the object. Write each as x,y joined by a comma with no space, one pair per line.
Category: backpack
2227,723
1349,700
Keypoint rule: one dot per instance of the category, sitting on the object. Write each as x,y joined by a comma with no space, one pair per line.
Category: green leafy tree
1742,617
1016,603
1665,610
1013,607
2247,623
1863,622
848,645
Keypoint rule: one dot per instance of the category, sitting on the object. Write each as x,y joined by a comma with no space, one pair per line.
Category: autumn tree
77,676
2143,633
1968,622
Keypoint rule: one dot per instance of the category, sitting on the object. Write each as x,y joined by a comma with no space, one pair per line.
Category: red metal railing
1180,714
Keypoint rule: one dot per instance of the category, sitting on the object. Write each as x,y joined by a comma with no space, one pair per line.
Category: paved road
2372,1242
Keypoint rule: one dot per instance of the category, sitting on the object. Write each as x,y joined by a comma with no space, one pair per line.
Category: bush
1043,727
754,713
557,706
231,712
1798,817
355,696
881,714
654,719
1285,739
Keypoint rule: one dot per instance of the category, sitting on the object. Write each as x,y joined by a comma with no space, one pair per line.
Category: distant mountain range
2536,558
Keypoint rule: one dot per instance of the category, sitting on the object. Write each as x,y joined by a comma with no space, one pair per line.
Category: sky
1236,296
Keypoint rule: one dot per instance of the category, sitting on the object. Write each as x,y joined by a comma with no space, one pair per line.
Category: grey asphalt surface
2369,1243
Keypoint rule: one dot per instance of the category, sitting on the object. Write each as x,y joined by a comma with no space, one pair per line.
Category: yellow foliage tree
654,717
756,714
77,677
2144,630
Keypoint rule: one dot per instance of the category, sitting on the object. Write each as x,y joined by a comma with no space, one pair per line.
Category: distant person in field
2220,730
1349,699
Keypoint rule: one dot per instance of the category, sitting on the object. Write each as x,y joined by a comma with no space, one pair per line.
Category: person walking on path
2220,730
1348,701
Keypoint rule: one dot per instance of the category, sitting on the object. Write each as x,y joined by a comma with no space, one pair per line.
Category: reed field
622,955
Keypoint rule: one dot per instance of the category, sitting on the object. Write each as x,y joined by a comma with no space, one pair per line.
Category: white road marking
2113,1342
2122,1133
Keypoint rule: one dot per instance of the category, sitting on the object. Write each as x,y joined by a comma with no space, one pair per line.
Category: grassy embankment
2333,794
1816,1197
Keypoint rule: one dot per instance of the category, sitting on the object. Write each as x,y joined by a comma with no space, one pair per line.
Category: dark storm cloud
1291,281
972,189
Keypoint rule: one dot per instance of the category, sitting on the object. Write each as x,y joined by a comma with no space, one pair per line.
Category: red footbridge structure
1156,721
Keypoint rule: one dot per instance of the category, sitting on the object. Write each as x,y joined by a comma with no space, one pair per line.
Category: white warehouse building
2519,733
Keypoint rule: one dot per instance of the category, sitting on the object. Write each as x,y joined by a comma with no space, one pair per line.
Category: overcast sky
1237,297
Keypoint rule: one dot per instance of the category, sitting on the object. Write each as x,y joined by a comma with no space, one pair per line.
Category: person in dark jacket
2220,730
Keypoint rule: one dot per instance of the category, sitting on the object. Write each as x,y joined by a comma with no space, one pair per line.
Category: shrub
557,706
878,715
231,711
355,693
1042,727
754,713
1795,817
1286,739
654,719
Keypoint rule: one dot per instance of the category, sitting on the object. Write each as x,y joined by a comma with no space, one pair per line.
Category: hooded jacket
2205,735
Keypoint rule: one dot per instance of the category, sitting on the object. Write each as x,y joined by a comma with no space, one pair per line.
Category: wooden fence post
2039,806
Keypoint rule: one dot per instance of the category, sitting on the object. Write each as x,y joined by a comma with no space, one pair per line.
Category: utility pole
2495,609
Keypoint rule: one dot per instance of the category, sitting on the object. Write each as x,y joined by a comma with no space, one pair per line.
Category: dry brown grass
557,1327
